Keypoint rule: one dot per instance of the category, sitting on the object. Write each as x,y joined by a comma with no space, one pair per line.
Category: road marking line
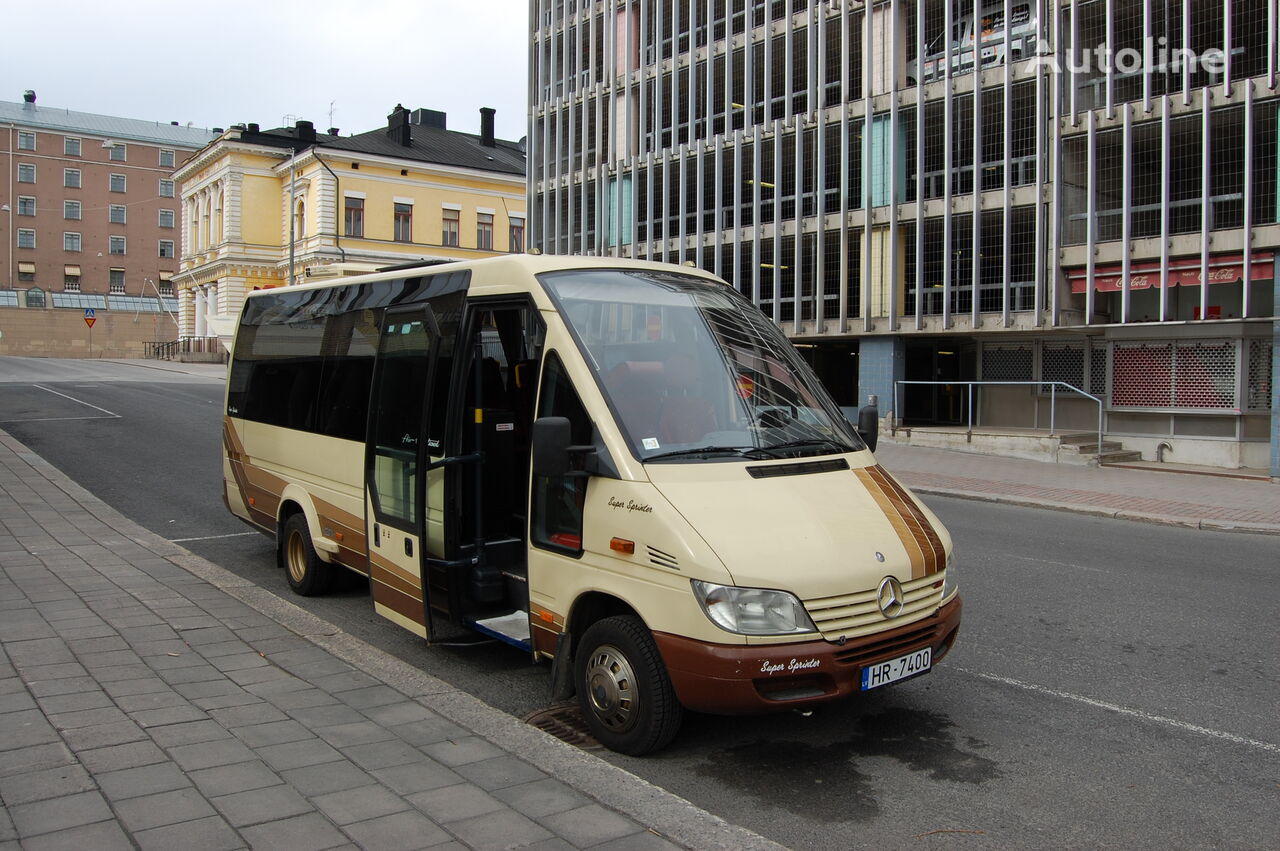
1124,710
211,537
58,419
78,401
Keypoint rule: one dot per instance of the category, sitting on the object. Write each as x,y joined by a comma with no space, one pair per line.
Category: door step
512,628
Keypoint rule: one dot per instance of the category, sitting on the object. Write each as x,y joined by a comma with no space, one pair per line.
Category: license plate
893,670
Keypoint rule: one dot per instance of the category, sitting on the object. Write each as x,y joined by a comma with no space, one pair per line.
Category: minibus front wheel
307,574
623,687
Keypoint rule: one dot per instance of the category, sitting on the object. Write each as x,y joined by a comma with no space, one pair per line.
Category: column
881,362
202,329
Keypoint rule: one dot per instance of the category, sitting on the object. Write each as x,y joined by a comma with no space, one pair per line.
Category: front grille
899,643
856,615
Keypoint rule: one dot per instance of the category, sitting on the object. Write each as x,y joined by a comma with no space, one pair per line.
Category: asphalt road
1114,685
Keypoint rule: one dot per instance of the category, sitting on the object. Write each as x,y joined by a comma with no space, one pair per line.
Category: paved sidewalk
149,699
1182,499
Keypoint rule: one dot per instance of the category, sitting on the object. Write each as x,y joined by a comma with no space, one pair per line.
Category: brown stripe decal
918,537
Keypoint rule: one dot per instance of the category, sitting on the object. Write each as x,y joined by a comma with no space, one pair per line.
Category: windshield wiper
755,452
812,441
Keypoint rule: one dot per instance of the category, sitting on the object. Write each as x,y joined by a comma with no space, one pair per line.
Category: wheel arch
295,500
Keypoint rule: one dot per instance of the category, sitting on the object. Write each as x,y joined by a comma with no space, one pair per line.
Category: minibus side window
558,500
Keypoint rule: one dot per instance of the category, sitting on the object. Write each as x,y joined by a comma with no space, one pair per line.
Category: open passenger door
396,463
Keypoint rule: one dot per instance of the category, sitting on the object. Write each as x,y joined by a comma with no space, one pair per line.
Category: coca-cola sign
1183,272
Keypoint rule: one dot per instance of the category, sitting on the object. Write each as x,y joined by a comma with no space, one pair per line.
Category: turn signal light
622,545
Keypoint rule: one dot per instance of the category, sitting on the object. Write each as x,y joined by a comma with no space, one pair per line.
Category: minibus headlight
752,611
949,585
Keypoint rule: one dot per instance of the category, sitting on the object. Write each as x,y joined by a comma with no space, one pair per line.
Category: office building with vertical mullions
920,191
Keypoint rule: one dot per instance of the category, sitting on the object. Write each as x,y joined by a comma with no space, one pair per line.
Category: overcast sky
225,62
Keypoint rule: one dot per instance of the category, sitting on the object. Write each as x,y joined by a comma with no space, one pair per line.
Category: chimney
398,126
486,126
29,96
306,131
429,118
332,131
253,128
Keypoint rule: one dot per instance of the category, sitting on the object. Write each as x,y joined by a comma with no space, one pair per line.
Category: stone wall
62,333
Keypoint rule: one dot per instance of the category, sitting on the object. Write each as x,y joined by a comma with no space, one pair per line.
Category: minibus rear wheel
623,687
307,574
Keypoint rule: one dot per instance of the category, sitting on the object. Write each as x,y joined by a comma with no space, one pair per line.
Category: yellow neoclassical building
268,208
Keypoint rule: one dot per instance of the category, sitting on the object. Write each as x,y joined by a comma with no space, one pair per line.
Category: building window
166,284
118,183
26,273
71,178
71,146
166,188
71,209
449,233
26,238
167,158
26,141
71,280
119,153
117,244
117,281
117,214
484,231
26,205
299,219
26,173
166,248
404,223
166,218
353,218
517,236
71,242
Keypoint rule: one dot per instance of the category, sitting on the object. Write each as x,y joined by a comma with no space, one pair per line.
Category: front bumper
737,680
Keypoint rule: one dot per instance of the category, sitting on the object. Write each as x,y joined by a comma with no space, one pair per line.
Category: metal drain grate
564,721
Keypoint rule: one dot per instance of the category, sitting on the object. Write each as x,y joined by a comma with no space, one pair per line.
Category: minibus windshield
693,371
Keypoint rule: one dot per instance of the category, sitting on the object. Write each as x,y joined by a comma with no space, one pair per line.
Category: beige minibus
621,467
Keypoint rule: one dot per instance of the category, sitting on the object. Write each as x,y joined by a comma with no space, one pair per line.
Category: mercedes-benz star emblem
890,597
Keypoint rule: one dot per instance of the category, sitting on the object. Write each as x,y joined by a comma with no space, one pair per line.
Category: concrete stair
1079,448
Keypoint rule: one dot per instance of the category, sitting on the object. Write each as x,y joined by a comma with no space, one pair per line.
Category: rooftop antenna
331,103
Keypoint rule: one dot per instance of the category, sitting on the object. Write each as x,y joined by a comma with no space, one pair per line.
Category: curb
668,815
1094,511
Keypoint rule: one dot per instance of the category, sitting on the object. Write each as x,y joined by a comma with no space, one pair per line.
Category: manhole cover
564,721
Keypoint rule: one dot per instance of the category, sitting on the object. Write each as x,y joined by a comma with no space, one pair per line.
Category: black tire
307,574
623,687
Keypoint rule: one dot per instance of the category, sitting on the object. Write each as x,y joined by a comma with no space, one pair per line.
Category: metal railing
1053,400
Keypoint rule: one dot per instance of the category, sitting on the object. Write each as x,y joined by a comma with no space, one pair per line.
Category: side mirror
869,423
551,437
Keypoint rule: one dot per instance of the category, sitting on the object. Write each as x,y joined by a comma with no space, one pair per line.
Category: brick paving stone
74,702
167,715
417,776
402,831
360,733
102,735
300,698
102,836
298,754
211,754
461,751
25,728
207,834
326,715
260,805
66,685
188,733
144,685
59,813
541,798
158,699
118,757
258,712
499,772
589,825
382,754
642,841
16,702
454,803
311,832
503,829
395,714
146,780
326,777
272,733
79,719
359,804
162,809
237,777
37,785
